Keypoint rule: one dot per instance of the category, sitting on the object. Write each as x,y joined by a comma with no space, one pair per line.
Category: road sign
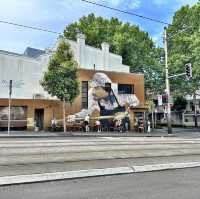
160,102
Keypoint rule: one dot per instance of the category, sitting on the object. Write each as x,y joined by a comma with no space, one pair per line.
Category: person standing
98,126
53,124
148,126
86,121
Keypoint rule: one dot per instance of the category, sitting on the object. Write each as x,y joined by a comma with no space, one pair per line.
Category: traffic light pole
167,83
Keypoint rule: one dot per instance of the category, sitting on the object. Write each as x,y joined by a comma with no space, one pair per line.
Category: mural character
103,96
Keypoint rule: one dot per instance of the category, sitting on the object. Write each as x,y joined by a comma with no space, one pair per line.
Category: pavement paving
171,184
162,132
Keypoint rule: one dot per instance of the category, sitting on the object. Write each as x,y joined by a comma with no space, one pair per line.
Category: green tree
184,47
134,45
179,103
60,79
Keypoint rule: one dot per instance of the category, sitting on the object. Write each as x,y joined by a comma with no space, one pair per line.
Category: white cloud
125,4
176,3
185,2
135,4
158,38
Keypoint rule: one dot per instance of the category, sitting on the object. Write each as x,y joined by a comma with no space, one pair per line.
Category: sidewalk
30,134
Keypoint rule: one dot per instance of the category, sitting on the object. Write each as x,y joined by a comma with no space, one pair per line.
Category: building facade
32,106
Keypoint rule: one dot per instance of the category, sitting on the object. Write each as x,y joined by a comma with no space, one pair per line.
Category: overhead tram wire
137,15
31,27
127,12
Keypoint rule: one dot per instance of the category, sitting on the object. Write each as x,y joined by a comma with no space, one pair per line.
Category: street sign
160,102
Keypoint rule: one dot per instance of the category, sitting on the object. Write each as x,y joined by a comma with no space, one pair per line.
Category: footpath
177,132
30,134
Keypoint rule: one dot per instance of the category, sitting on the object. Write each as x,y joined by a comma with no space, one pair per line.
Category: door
39,118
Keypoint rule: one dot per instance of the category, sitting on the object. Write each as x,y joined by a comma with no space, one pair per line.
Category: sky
56,15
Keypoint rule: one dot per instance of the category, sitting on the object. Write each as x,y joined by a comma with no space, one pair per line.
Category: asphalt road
174,184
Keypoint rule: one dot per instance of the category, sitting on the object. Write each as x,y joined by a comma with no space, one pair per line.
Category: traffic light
188,71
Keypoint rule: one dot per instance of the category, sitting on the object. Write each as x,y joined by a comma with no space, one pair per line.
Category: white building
27,69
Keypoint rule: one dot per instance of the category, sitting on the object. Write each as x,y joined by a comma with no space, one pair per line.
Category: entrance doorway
39,118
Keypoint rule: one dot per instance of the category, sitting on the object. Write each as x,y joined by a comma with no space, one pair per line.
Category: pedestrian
98,125
118,125
126,125
53,124
148,126
86,122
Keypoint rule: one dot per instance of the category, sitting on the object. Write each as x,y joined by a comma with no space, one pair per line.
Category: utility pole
167,84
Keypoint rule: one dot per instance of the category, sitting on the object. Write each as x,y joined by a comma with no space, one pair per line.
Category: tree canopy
134,45
60,79
184,47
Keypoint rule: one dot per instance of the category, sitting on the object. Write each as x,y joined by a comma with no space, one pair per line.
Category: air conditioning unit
38,96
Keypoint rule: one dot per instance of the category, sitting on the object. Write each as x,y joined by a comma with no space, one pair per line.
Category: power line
127,12
31,27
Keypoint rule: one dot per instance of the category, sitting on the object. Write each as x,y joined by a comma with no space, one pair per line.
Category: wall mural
103,96
18,116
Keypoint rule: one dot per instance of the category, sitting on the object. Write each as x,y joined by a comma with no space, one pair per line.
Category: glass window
84,94
125,89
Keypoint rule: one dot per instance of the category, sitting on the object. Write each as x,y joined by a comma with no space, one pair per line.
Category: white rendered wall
30,71
88,56
26,71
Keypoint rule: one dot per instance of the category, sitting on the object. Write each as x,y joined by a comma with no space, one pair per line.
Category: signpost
9,106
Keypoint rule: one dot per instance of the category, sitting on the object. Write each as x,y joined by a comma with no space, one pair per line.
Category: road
174,184
15,152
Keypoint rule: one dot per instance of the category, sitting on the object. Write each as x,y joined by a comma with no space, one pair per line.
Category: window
125,89
84,94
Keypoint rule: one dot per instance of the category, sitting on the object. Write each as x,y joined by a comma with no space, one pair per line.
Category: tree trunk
195,110
64,122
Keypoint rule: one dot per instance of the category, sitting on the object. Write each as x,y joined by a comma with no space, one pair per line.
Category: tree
60,79
184,47
134,45
179,103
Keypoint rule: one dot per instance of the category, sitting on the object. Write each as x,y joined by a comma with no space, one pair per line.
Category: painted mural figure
103,96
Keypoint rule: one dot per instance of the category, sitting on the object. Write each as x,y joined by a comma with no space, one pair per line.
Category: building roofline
16,54
103,71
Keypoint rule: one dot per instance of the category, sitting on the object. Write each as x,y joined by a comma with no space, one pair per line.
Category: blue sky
55,15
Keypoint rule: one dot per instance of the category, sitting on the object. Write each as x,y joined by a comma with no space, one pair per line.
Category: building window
125,89
84,94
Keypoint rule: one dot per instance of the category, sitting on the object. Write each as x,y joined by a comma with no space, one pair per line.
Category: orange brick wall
55,107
